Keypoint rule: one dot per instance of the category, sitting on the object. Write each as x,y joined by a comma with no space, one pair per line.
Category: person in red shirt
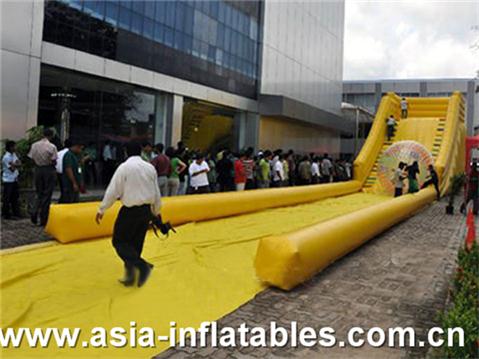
240,173
163,168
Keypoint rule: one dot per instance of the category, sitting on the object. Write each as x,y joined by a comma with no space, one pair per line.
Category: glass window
138,6
188,20
227,39
170,13
160,11
125,18
211,31
214,9
211,53
111,12
219,57
150,9
180,16
234,19
204,50
159,33
253,30
136,23
168,36
179,40
188,44
228,15
148,27
95,9
76,4
196,48
126,4
221,12
219,35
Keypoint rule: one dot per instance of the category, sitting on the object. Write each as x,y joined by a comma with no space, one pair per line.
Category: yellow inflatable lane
68,223
202,273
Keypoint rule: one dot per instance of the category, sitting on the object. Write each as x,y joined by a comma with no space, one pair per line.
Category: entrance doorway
207,127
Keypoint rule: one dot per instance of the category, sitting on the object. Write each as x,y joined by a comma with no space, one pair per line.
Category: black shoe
144,274
34,218
129,279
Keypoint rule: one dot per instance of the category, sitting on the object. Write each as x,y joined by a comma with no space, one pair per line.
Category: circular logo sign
402,151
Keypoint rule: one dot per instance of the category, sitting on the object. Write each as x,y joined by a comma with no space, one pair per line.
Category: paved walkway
400,278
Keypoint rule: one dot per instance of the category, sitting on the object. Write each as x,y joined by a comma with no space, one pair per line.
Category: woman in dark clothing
412,172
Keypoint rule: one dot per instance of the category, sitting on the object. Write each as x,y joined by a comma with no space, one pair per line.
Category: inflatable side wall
74,222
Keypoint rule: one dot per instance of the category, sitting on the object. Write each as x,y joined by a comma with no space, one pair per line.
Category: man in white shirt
44,155
198,171
278,173
403,107
136,185
59,167
326,169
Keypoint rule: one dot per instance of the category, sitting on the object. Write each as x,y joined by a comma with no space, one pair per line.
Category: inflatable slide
229,246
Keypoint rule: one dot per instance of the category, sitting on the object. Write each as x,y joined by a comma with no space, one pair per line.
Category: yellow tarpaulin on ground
202,273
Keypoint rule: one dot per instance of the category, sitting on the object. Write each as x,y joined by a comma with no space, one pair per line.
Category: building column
174,119
22,27
247,130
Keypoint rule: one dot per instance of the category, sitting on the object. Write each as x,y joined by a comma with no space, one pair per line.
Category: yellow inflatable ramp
202,273
289,259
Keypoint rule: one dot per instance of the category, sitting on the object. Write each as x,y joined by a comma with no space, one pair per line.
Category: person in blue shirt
10,165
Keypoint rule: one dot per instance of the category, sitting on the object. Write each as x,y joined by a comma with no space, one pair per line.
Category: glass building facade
214,43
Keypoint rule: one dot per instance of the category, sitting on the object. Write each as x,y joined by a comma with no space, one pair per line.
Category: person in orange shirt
240,173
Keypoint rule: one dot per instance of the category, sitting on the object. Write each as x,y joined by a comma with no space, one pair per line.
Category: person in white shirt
315,174
44,155
109,161
198,172
278,173
10,164
390,124
404,107
59,167
326,169
136,185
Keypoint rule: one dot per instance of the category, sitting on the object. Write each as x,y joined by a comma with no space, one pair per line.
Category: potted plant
457,181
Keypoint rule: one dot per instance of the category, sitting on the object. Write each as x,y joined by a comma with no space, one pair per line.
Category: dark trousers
276,184
69,195
436,187
129,233
250,184
45,181
397,192
199,190
390,132
10,199
304,182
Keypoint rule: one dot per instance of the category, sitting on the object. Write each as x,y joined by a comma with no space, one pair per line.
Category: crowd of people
179,170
